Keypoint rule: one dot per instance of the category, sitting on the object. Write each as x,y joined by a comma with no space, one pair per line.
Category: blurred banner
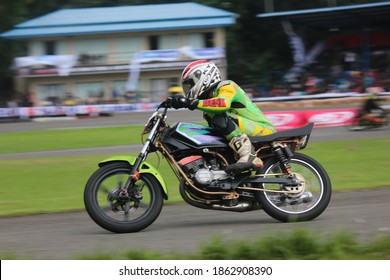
281,119
167,55
301,58
63,64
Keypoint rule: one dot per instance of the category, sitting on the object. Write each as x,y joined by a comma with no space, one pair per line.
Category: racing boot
242,147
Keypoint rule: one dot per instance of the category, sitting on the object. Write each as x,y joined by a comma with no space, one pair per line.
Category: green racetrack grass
47,140
53,184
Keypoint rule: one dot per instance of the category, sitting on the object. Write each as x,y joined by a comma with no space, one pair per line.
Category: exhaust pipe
241,207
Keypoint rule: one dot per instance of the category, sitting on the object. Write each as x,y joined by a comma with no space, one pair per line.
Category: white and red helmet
199,77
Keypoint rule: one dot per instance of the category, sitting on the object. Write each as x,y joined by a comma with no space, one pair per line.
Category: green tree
11,13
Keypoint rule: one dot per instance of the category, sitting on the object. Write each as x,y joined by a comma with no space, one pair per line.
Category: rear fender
145,167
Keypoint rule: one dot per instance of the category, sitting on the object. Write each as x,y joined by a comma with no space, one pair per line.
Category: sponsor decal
219,102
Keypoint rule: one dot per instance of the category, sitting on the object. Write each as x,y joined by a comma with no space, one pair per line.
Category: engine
203,173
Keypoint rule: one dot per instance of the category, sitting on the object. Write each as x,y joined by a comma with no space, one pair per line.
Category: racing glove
178,101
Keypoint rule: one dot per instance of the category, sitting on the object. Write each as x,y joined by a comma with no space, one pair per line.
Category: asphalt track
181,228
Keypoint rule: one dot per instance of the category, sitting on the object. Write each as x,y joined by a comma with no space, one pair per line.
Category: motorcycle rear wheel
386,124
305,206
122,215
356,125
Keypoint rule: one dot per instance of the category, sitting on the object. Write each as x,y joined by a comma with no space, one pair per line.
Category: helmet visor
187,85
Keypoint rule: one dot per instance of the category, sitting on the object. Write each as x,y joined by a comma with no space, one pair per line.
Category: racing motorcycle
377,119
126,194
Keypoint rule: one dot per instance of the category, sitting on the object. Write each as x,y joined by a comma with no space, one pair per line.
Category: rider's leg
252,128
239,142
361,113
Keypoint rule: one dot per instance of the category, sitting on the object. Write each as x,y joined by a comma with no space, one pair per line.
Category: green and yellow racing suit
230,99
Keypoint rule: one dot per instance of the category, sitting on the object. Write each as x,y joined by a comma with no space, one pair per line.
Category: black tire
137,214
297,207
387,123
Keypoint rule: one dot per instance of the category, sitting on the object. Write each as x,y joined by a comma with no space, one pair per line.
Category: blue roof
122,19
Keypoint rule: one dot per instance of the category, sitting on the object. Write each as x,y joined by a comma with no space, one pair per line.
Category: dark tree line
257,50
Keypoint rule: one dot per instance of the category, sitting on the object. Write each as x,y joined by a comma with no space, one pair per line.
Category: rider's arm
221,103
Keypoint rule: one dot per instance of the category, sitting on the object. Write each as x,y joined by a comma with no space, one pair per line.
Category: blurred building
116,54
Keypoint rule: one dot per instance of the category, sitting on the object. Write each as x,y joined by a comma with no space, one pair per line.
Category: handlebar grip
164,104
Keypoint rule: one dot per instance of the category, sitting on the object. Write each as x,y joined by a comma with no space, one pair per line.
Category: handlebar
168,103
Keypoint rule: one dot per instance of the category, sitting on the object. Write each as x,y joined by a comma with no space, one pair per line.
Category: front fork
134,174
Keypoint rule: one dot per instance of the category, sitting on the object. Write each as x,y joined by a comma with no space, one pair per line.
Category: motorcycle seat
290,133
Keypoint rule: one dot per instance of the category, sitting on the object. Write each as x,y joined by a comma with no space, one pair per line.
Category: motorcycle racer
226,108
371,110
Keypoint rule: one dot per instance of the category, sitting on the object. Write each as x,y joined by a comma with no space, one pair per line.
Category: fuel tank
185,136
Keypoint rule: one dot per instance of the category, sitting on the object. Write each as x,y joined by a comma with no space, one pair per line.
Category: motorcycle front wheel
311,197
119,211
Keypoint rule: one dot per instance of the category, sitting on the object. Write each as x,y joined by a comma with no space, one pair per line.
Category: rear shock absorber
283,154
